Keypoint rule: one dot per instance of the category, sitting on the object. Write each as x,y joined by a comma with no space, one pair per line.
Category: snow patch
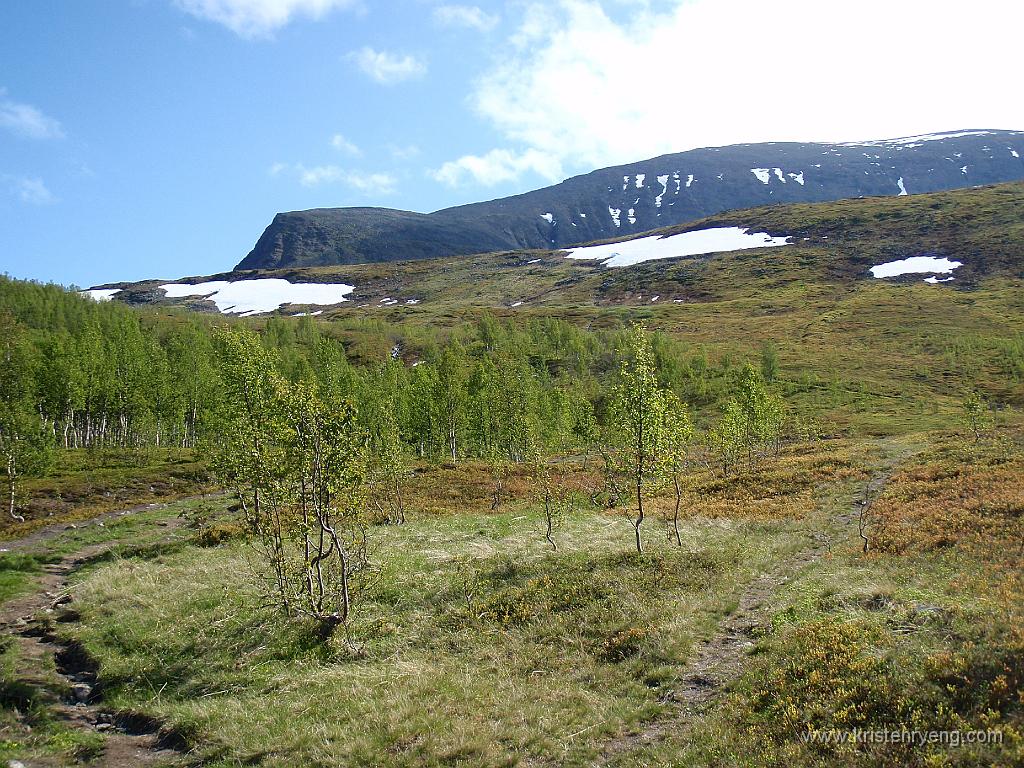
640,180
663,180
255,297
533,261
778,173
615,215
913,265
907,140
100,294
933,280
548,217
899,183
689,180
713,240
631,215
797,177
764,175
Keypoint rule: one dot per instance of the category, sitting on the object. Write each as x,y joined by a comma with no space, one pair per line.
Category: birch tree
636,441
678,433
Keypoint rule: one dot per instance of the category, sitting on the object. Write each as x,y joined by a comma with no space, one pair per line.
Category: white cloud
25,120
258,18
579,84
317,175
498,166
373,183
342,144
465,16
404,152
388,68
29,189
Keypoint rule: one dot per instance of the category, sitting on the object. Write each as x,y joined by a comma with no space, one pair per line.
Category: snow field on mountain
254,297
714,240
915,265
101,294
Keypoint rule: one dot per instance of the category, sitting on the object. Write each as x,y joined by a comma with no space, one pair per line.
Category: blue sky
157,138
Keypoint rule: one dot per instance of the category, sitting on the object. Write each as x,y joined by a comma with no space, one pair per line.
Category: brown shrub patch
976,506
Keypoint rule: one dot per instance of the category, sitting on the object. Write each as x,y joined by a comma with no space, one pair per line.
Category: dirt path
720,659
48,532
72,694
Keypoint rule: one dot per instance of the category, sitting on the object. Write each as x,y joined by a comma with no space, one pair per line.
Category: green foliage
102,375
977,415
672,464
769,361
25,446
647,430
726,439
624,643
297,461
751,425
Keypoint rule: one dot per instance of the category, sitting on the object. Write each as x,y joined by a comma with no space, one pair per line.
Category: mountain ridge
649,194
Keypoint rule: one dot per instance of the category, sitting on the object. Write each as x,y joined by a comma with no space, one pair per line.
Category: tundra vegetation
421,558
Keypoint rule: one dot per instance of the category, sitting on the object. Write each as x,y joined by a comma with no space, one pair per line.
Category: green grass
928,640
87,483
871,356
478,644
29,732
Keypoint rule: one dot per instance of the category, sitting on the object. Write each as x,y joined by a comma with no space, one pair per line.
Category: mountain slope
663,191
832,244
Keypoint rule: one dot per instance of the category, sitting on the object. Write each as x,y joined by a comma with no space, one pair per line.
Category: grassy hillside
980,227
765,639
477,645
879,355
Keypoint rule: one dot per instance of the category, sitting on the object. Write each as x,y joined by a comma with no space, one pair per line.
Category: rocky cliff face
627,199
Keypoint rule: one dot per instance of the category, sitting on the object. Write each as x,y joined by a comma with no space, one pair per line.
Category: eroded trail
719,660
60,674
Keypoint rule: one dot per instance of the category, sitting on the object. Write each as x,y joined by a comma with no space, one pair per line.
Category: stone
81,692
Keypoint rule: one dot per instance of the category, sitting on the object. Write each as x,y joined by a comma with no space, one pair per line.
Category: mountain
638,197
974,236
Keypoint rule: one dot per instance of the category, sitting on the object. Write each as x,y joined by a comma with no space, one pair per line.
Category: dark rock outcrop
627,199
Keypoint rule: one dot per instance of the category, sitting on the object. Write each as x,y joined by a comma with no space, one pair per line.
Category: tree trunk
675,517
640,515
547,512
398,499
12,482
